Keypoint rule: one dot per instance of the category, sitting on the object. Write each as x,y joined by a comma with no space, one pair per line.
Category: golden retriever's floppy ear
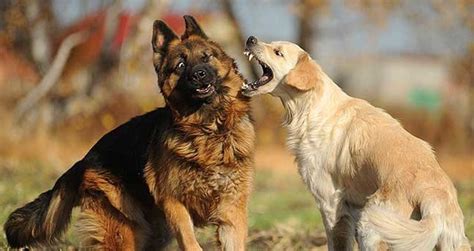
160,40
306,75
192,28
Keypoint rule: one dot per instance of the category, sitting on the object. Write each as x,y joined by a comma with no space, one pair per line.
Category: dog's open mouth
205,91
266,77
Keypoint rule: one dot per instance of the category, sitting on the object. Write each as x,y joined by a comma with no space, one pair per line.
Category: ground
282,213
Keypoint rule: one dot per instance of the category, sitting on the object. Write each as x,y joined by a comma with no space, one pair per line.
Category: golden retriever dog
185,165
372,179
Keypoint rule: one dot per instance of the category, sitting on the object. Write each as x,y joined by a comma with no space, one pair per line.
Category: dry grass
282,213
284,237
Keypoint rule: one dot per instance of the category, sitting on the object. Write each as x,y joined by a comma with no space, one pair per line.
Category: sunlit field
282,213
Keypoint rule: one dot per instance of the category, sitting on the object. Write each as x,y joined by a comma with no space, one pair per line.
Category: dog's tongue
252,86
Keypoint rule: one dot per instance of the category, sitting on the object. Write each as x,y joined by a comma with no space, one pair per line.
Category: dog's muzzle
267,73
203,79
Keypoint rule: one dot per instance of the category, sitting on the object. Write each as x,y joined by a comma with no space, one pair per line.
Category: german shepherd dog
187,164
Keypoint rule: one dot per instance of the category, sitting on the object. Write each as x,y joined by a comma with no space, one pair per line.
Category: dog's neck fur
296,102
299,117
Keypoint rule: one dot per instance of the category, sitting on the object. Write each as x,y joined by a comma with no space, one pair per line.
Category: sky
343,32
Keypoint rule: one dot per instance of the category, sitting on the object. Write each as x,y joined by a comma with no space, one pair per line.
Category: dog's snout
199,75
251,41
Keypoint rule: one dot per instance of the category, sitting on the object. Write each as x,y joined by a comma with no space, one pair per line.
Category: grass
276,199
466,199
282,213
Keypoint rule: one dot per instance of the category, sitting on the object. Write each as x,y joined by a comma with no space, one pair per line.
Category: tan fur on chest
202,166
211,146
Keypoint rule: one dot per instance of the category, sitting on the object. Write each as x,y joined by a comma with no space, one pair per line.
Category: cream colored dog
371,178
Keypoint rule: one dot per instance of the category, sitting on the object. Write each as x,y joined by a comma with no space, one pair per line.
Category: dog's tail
43,220
441,225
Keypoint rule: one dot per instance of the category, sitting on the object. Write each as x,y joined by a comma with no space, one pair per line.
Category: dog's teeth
245,86
247,53
250,57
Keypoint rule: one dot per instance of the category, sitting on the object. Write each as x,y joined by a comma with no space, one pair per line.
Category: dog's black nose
251,41
199,75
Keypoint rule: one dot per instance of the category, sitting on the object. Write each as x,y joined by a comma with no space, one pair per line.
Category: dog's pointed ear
192,28
306,75
161,38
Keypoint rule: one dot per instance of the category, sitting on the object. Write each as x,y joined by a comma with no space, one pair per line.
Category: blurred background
72,70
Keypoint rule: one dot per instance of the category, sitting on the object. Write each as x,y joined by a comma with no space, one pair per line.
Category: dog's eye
206,58
180,65
278,53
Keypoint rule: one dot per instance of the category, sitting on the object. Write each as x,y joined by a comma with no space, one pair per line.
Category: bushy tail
434,229
42,221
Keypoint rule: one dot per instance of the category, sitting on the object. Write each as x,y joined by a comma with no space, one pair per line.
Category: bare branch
51,77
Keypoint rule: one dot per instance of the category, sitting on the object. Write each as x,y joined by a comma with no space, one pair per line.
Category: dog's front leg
181,223
232,229
327,217
327,197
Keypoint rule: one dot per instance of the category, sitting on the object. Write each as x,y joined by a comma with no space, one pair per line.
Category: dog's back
414,206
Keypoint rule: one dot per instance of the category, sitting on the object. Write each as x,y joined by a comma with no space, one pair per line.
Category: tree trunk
306,32
51,77
229,11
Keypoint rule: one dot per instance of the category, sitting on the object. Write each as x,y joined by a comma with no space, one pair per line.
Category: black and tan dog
160,174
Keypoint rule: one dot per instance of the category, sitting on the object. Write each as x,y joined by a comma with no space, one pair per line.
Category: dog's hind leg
101,226
110,219
367,238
